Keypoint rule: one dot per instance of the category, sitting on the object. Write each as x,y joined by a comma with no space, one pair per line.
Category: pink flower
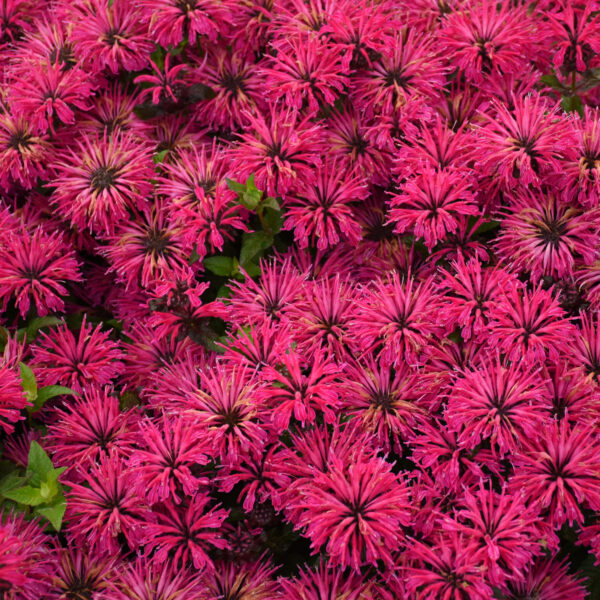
447,569
301,390
148,249
524,145
91,358
12,399
270,298
106,508
280,149
560,470
23,154
324,581
322,213
169,451
26,568
238,86
185,533
545,234
394,319
150,579
34,269
386,401
262,477
429,204
170,21
407,73
306,73
530,325
582,164
470,291
253,580
501,524
163,83
46,95
488,38
89,428
322,317
108,34
502,403
358,512
78,569
575,37
225,406
548,579
351,141
97,183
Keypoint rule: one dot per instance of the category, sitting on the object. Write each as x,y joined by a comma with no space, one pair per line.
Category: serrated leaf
271,203
234,186
29,495
54,513
220,265
28,382
51,391
253,244
39,464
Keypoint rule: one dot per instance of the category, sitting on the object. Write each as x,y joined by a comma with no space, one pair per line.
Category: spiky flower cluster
322,278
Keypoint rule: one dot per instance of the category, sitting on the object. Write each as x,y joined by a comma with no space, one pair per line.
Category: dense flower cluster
377,380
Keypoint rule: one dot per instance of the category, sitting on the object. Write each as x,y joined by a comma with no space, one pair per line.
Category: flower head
98,182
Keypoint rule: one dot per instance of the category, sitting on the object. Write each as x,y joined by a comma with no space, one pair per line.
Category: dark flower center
81,588
186,5
20,141
233,83
64,55
396,77
103,177
156,241
551,232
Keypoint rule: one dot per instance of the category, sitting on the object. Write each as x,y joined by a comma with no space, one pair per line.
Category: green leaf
248,194
49,489
159,157
234,186
158,56
552,81
28,382
488,226
30,332
31,496
10,482
253,244
252,269
51,391
54,513
195,257
271,203
224,291
572,104
273,219
39,464
220,265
